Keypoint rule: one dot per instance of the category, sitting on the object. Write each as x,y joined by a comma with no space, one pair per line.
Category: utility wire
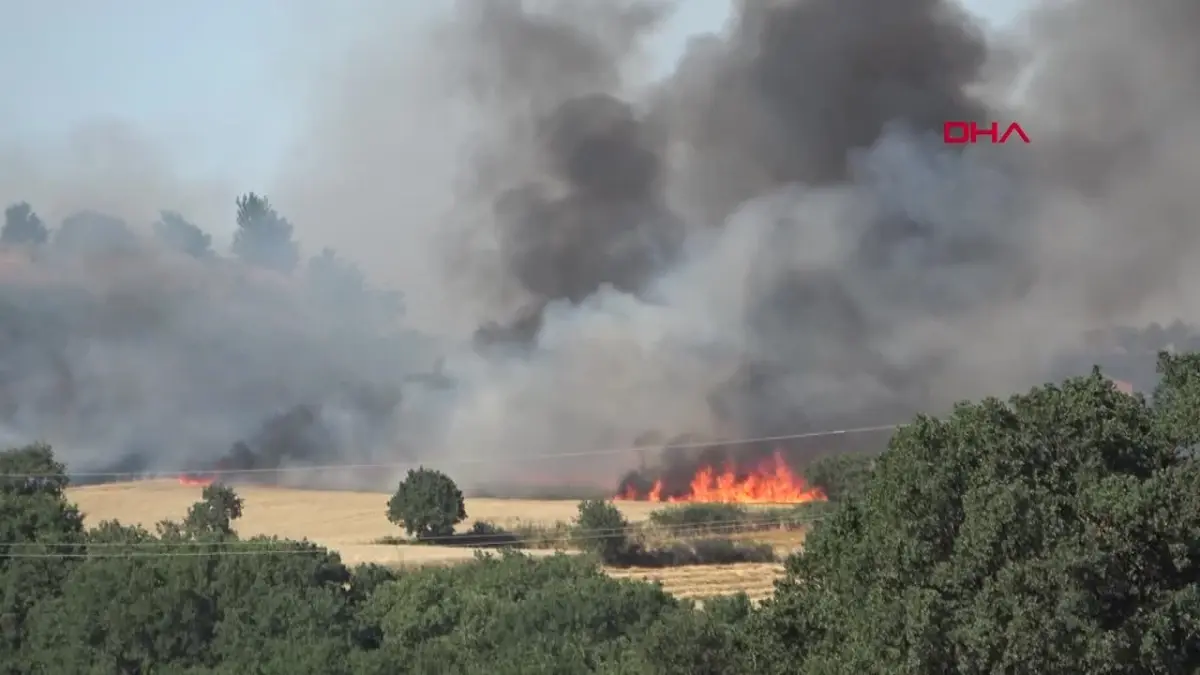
641,526
492,541
697,445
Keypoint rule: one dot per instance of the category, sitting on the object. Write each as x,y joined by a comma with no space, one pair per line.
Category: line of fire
680,469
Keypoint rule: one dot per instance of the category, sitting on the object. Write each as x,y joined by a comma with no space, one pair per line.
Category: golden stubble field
350,523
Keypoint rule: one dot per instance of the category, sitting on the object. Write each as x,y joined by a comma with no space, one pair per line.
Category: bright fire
772,483
194,481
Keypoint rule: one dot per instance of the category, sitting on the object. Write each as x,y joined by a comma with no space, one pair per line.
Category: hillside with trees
1056,532
270,358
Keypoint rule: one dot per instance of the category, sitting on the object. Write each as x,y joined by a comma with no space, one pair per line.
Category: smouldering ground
348,522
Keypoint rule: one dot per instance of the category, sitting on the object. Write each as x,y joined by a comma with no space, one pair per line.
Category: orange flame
194,481
772,483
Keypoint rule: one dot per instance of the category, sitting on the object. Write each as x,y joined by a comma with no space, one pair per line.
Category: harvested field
348,522
705,581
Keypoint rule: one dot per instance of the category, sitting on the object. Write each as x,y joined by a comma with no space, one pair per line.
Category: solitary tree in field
427,503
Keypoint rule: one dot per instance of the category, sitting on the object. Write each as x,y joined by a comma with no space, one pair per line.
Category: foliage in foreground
194,598
842,477
1058,533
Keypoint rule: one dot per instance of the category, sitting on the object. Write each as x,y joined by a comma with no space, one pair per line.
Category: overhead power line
697,445
498,540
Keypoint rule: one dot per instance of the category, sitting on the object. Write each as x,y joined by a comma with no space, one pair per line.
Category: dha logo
968,133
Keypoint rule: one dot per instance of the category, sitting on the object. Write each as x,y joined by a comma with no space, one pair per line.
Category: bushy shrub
484,534
701,517
714,518
706,551
602,529
719,551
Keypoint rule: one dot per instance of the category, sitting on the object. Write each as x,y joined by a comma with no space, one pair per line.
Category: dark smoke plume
770,239
864,271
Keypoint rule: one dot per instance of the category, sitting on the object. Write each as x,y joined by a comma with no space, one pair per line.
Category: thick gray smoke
773,238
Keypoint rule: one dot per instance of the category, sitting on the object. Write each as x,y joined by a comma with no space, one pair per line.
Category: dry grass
348,522
785,542
705,581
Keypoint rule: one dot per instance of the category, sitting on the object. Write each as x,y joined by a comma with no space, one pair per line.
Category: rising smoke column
865,270
610,225
588,210
800,94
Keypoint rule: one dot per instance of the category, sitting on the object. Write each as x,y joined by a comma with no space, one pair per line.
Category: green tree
1059,531
512,615
1177,398
22,226
177,234
264,238
602,529
694,642
841,477
191,601
131,608
218,507
427,503
40,532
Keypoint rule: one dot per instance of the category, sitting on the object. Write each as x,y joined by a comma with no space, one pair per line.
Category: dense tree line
263,239
283,361
1057,532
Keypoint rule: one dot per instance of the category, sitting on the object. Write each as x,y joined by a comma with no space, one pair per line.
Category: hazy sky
218,81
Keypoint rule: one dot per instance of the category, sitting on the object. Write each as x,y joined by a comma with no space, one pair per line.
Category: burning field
770,481
767,480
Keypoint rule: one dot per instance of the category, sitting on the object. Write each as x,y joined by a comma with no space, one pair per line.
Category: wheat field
351,522
348,522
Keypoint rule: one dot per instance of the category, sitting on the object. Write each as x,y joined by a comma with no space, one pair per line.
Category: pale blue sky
201,76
